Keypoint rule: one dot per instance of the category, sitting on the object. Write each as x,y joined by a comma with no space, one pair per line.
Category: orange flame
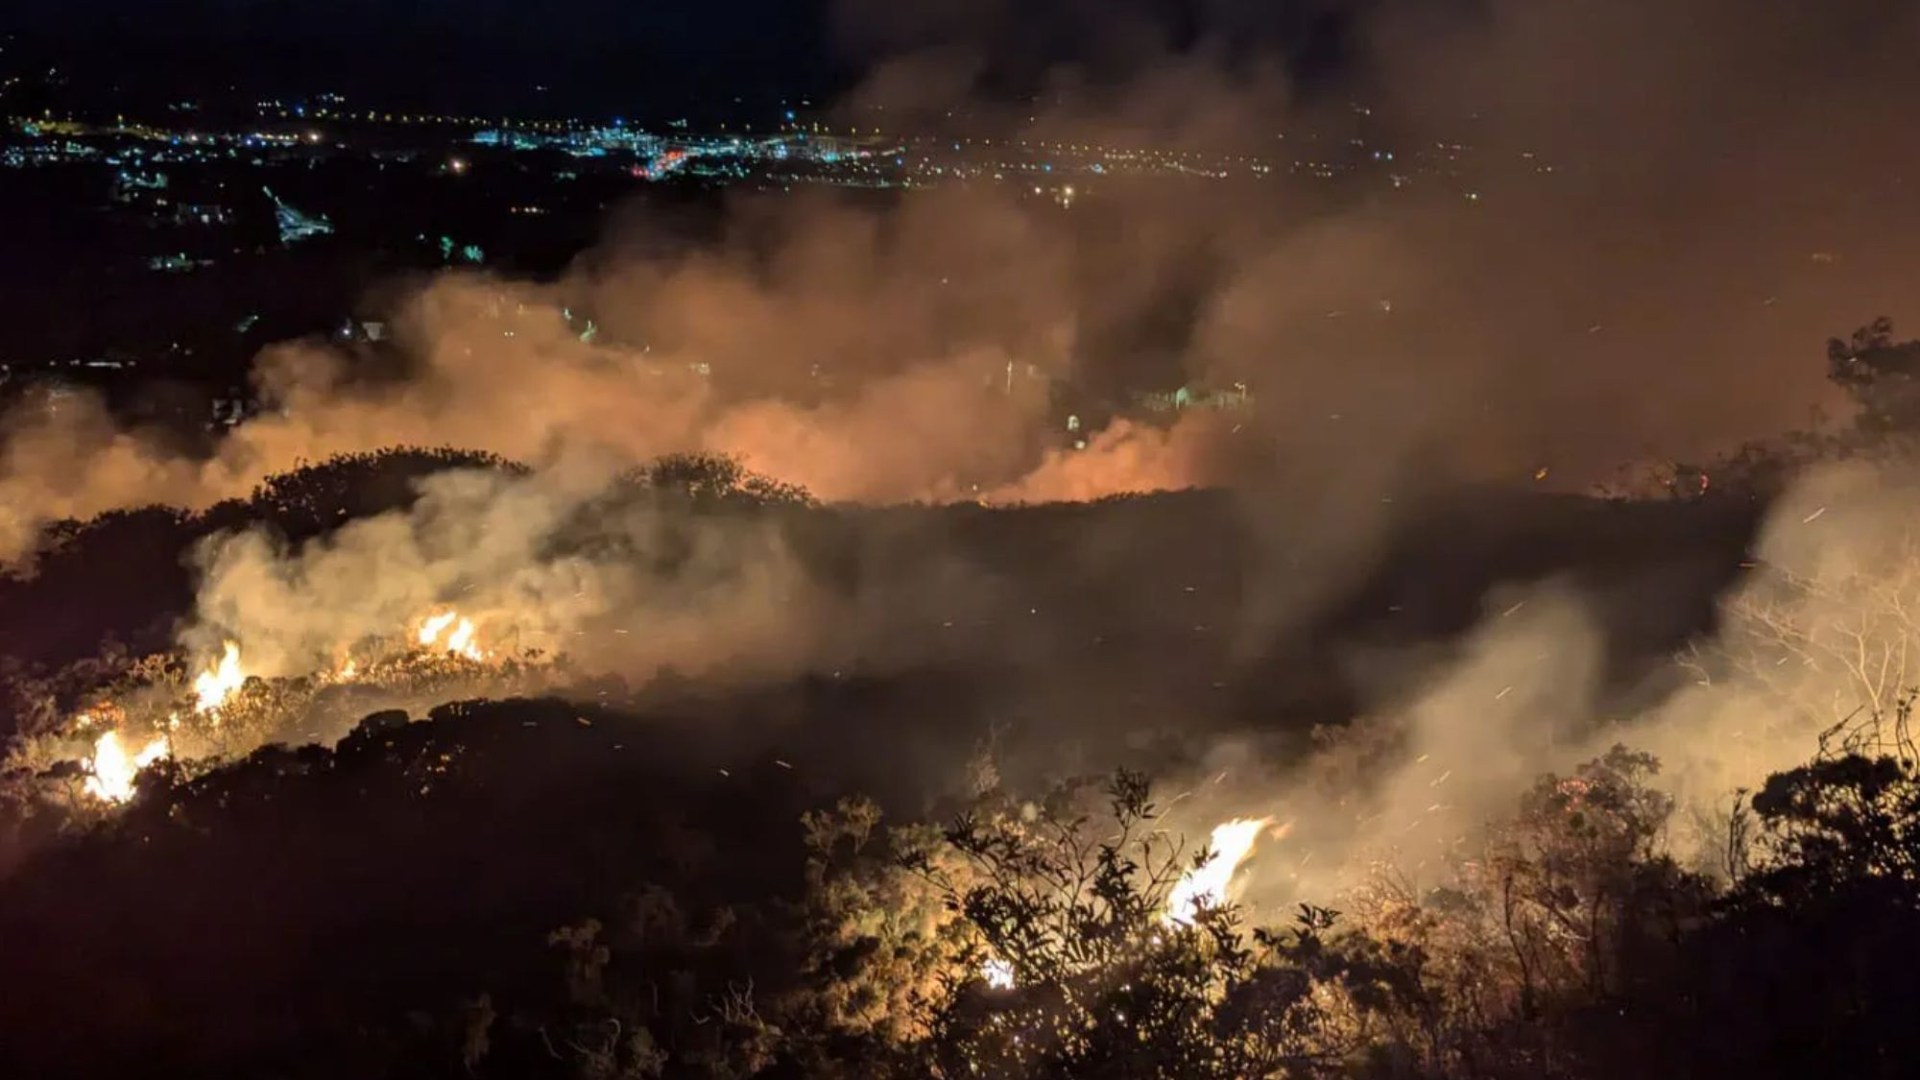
458,635
1205,886
114,769
212,687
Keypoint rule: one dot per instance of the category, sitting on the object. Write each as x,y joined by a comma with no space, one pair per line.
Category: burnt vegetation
705,876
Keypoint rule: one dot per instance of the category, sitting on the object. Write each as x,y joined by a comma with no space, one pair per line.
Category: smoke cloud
1570,234
1600,241
1817,634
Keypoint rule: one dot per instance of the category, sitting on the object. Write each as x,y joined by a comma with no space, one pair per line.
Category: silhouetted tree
1882,376
1071,905
715,478
316,497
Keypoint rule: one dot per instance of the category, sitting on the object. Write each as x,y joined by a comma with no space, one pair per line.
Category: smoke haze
1604,246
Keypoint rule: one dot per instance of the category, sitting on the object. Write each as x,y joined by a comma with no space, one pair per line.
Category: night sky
648,60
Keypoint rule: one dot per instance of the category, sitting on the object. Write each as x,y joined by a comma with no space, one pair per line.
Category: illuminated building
129,185
295,226
176,264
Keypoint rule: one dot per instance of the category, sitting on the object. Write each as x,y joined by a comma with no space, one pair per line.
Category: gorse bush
1033,940
668,927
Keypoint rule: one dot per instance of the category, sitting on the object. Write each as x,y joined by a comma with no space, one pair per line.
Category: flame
459,641
998,973
347,671
114,769
212,687
435,625
1206,884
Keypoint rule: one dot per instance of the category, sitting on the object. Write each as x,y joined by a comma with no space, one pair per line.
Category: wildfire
1206,884
449,631
212,687
997,972
114,769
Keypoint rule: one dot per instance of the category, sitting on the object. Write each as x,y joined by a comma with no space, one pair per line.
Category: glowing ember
1206,885
998,973
212,687
114,769
458,635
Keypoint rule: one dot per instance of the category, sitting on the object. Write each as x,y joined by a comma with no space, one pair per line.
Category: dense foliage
464,915
533,889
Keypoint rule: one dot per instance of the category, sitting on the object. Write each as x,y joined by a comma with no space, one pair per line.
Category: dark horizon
391,61
598,59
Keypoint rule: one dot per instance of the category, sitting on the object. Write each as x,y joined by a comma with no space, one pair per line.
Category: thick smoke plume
1818,633
1607,235
613,586
1593,230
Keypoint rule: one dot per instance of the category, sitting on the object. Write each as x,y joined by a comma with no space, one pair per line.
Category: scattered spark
1815,516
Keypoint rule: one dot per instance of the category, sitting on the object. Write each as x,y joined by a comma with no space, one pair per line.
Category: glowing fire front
114,769
452,633
114,766
212,687
111,768
1205,886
